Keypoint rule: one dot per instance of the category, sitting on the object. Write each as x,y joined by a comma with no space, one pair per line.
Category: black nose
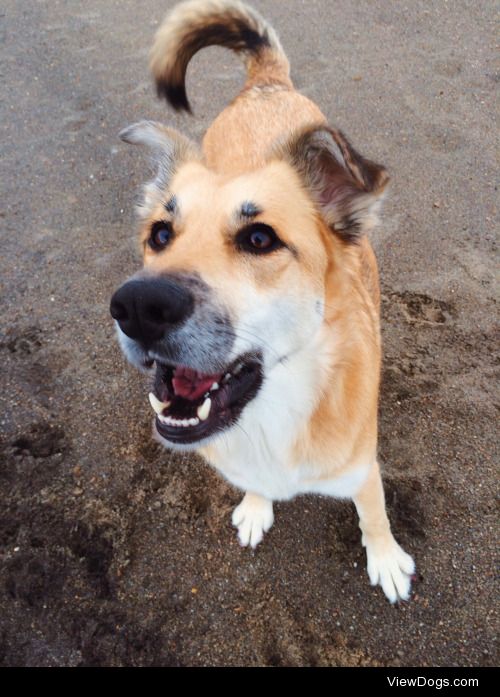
146,308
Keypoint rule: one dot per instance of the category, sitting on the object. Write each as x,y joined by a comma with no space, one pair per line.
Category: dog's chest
250,467
253,466
256,454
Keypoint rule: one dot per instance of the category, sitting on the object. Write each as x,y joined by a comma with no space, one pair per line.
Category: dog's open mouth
191,406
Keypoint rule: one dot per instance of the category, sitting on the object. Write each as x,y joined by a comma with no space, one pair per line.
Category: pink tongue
190,384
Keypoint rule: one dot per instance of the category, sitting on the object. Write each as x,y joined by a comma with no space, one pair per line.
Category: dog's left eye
258,239
161,234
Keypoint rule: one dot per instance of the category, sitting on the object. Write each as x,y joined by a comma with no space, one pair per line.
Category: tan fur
249,127
237,164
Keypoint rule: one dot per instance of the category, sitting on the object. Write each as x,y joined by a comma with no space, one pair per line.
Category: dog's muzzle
175,324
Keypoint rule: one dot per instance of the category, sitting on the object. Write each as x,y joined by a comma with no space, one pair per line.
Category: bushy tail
194,24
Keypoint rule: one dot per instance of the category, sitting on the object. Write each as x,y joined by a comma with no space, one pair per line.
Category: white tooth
204,410
227,377
237,369
156,404
215,386
178,423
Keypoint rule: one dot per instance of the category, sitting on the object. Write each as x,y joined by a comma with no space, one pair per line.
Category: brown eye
161,235
258,239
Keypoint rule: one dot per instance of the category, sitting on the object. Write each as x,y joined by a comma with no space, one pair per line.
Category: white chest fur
255,454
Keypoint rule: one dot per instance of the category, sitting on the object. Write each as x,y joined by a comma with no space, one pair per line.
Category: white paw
253,517
390,566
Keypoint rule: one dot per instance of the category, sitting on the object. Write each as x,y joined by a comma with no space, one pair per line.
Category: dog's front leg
388,564
253,517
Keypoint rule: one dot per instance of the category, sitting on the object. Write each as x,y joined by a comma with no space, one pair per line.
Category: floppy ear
169,148
346,187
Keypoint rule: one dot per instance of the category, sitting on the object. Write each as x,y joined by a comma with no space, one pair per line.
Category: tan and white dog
257,310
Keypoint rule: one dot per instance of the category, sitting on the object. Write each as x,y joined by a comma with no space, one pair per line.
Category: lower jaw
190,437
187,442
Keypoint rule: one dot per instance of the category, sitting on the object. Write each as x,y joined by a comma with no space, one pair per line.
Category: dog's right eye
161,235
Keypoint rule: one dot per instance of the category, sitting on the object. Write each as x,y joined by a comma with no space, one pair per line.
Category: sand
114,552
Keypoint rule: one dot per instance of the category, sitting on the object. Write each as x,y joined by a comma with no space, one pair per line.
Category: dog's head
236,269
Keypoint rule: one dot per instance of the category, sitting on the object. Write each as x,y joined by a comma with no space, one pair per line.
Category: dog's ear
169,148
346,187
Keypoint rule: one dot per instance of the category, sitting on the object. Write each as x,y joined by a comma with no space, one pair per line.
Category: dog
257,309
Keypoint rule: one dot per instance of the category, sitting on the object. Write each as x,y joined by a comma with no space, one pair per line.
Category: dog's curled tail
194,24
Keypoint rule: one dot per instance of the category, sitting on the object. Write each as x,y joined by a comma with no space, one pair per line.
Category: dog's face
235,271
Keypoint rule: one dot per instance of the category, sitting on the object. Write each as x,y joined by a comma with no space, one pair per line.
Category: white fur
277,326
133,352
345,486
253,517
256,454
389,565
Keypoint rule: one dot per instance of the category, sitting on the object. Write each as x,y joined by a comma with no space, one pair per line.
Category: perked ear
169,148
346,187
